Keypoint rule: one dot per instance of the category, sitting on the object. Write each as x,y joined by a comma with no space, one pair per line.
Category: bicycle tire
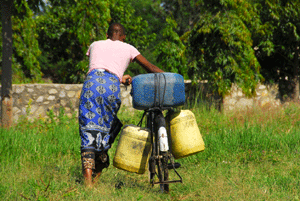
151,172
164,173
162,165
158,163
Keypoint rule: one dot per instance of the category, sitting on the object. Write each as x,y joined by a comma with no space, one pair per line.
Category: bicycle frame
161,155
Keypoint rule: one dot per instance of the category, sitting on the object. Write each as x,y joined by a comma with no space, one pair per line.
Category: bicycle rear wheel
162,149
158,163
163,172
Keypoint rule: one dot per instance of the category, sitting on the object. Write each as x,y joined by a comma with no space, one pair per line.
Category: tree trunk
6,78
296,75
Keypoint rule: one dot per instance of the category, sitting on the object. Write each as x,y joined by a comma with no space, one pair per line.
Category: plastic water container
186,139
157,90
133,150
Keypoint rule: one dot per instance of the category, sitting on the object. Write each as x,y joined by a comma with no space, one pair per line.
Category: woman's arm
149,67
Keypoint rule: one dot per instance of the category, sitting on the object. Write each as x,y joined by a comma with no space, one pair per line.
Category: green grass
249,155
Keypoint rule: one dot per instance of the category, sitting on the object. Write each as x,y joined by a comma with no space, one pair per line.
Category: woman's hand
126,79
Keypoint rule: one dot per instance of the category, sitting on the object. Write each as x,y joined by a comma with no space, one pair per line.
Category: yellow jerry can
133,150
186,139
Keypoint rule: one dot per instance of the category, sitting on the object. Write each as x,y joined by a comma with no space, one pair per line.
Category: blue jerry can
157,90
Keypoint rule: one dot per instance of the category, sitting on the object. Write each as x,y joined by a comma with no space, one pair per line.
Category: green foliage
171,51
152,12
93,18
26,67
222,41
66,30
218,46
1,45
278,39
228,41
137,31
36,6
223,54
185,13
53,37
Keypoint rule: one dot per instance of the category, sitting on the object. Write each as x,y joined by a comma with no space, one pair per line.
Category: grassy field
249,155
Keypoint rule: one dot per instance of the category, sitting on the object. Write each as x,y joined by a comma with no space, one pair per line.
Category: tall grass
249,155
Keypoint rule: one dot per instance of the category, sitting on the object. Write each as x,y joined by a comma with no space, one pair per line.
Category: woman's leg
88,164
87,173
101,162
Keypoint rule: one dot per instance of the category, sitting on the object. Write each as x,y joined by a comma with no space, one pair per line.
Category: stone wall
35,100
266,96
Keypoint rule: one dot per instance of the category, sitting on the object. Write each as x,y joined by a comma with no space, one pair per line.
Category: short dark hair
116,28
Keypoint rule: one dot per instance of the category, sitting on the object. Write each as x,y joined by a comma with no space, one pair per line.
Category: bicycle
141,145
161,159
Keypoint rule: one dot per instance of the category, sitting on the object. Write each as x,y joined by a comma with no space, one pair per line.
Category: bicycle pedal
176,165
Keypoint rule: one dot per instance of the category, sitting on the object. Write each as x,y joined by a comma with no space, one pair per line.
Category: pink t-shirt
113,56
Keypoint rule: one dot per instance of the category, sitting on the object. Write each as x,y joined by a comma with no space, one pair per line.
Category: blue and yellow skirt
99,103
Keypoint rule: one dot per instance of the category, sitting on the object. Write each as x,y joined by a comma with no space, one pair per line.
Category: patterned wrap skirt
99,104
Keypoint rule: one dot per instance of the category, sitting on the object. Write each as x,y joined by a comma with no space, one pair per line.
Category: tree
25,67
278,43
153,12
218,44
239,41
138,32
185,13
67,28
171,52
6,89
15,8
